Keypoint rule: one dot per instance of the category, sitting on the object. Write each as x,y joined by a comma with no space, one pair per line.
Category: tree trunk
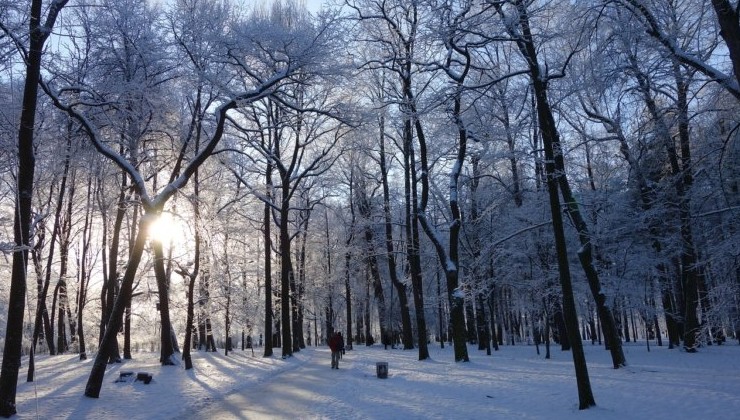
585,253
297,287
267,237
403,301
294,314
84,274
729,23
449,259
286,271
64,235
412,240
24,200
492,313
691,274
109,290
470,319
440,317
107,345
127,312
547,328
296,290
348,260
348,297
550,135
227,319
43,325
189,322
553,152
369,340
585,394
167,352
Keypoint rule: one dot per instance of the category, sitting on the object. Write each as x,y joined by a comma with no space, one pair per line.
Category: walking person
335,344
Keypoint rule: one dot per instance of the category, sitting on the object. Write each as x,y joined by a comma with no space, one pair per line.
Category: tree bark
22,218
267,237
729,23
286,270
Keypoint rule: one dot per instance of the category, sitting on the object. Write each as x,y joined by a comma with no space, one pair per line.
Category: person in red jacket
335,344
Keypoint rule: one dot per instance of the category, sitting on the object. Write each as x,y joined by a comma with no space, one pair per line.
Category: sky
513,383
314,5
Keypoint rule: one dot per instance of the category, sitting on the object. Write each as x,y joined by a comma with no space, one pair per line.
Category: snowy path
310,389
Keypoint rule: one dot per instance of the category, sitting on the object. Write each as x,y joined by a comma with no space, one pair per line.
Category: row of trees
399,169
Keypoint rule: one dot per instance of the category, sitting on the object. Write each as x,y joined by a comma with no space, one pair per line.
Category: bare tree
38,34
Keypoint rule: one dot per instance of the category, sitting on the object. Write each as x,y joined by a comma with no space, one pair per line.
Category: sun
165,229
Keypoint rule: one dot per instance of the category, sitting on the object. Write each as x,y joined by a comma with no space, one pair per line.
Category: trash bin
381,369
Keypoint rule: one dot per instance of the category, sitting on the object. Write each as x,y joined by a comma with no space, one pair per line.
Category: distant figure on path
335,344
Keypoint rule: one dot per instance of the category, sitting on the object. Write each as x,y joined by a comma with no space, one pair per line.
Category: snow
514,382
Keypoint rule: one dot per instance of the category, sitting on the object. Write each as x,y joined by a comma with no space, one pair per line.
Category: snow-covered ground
514,382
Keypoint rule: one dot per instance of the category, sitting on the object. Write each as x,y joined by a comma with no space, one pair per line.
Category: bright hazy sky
314,5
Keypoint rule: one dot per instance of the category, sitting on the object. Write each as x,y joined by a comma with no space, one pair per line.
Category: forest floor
514,382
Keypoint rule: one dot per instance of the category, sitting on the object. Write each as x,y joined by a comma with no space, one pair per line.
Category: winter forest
183,176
